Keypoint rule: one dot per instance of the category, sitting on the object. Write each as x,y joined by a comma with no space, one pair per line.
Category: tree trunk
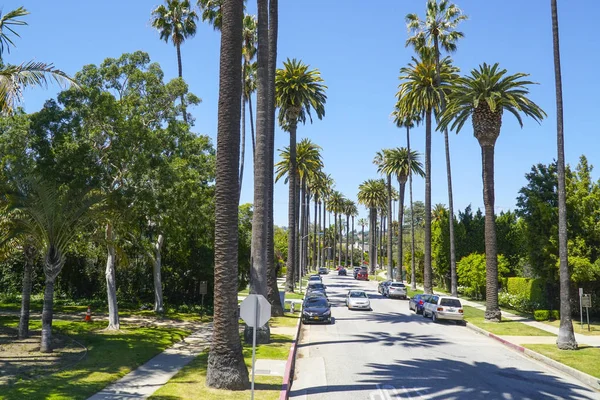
413,283
352,247
29,252
566,337
373,240
291,264
381,241
315,236
243,147
453,278
492,311
302,227
47,313
319,237
347,238
158,293
427,273
298,229
226,367
179,70
111,280
400,229
335,234
362,251
252,128
390,234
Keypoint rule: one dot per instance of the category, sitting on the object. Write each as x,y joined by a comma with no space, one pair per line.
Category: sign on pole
203,291
586,301
580,307
255,310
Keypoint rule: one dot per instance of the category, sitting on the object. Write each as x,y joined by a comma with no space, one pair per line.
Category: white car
396,289
443,307
358,300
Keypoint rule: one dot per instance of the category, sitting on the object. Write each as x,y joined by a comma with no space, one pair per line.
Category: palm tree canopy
249,79
489,89
418,92
404,118
441,20
298,91
7,22
372,193
175,22
336,202
400,163
362,222
250,37
211,12
350,208
308,160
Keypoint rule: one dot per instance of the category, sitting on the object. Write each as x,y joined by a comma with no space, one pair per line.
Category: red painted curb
288,375
507,343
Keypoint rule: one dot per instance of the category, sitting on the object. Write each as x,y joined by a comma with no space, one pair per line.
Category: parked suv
396,289
443,307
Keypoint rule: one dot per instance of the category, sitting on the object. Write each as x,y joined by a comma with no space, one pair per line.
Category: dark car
316,309
323,271
315,278
316,287
363,275
342,271
381,288
417,301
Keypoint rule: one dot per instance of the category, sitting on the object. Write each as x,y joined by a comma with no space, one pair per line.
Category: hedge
530,289
545,315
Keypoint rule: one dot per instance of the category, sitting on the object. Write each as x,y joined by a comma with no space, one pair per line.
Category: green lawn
411,292
189,383
585,359
505,328
594,327
288,320
111,355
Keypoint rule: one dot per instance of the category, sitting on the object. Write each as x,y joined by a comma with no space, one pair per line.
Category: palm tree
484,96
380,160
336,205
349,211
354,213
211,12
372,194
566,337
175,22
402,163
226,367
14,78
420,95
50,222
362,223
439,28
298,90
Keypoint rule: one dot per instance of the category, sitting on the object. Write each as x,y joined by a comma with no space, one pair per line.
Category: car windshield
450,303
316,286
315,302
397,284
315,278
358,294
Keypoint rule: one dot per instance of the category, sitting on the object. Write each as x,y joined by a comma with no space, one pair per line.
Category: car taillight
460,311
420,302
440,308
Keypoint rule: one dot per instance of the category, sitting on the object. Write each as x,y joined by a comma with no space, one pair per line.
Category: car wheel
424,314
433,317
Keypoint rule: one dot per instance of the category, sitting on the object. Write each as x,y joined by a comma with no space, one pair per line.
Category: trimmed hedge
545,315
530,289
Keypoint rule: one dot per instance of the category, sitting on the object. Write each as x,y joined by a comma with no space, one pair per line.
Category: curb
288,375
584,378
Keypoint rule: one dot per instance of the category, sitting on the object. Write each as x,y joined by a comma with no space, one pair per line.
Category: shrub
282,271
518,303
472,274
531,289
554,314
541,315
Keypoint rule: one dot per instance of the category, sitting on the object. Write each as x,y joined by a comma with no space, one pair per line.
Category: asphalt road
392,353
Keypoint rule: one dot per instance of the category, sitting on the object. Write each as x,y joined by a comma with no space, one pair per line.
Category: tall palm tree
380,160
298,92
336,205
439,30
372,194
484,96
354,213
402,163
175,22
419,94
362,223
50,221
327,190
14,78
350,210
566,337
226,367
248,86
211,12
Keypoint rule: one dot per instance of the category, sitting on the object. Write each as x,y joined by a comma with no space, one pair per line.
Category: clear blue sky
359,48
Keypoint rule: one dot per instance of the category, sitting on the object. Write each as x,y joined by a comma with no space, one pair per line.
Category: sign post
255,310
580,307
203,291
586,301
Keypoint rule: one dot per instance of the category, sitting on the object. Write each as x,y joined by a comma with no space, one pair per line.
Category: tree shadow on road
404,339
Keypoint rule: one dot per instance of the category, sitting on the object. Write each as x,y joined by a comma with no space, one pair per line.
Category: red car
362,275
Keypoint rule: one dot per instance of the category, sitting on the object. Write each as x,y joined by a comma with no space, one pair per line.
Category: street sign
203,287
580,292
253,304
586,300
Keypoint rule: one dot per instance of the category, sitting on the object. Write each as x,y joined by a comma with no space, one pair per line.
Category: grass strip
506,327
585,359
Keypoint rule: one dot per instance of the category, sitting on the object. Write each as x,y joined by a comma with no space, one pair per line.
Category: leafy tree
440,244
472,273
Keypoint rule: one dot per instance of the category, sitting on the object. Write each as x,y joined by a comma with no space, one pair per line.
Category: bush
518,303
530,289
554,314
541,315
282,272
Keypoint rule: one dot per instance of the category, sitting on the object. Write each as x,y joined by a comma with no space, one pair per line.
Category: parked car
443,307
316,287
342,271
316,309
356,269
396,289
323,271
358,299
417,302
315,278
363,275
381,288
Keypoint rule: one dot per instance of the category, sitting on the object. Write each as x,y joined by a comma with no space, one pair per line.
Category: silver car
358,300
396,289
443,307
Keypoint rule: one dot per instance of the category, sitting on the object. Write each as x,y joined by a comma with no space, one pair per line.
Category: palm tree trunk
315,236
47,313
335,234
413,283
492,311
158,293
298,229
390,235
352,247
347,238
362,251
111,280
319,236
453,278
252,128
373,240
243,147
381,240
341,239
180,71
566,337
226,367
28,251
400,228
302,228
427,274
292,229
